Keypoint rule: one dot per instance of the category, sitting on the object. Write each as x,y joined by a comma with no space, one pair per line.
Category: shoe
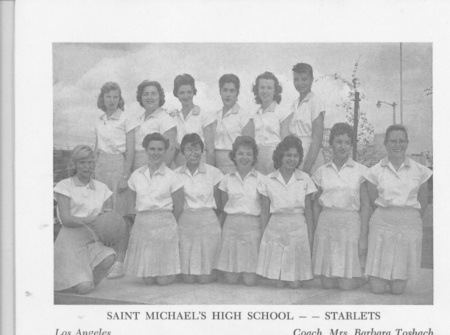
116,271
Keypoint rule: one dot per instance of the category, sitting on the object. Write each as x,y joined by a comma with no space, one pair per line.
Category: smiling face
150,98
244,158
193,153
156,151
111,100
185,95
396,144
85,167
342,146
229,94
303,82
290,160
266,91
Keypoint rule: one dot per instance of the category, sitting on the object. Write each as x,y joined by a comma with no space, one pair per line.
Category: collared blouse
154,193
340,188
112,133
199,187
305,112
287,198
195,122
268,124
398,188
243,197
229,126
158,122
85,200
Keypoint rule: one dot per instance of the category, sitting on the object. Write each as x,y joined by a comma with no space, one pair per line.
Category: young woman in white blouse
199,226
241,202
341,214
398,191
153,252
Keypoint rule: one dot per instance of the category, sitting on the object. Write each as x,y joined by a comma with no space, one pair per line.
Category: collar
349,162
308,97
385,162
297,173
252,172
273,105
116,115
194,111
201,168
78,183
234,110
153,115
146,171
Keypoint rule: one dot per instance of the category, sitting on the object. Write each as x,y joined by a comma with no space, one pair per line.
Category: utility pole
355,120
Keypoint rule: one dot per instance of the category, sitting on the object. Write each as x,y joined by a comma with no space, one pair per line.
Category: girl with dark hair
286,218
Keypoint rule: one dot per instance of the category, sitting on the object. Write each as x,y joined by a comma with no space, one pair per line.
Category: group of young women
245,194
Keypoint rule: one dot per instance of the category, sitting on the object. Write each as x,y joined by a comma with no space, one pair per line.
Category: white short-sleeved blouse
112,133
243,197
287,198
398,188
199,188
195,122
268,124
340,188
229,126
159,121
154,193
85,200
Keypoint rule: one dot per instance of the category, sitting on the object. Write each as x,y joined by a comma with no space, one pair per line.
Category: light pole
393,108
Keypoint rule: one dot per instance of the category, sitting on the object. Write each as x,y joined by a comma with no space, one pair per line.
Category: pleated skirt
108,170
284,253
200,239
335,250
223,161
153,246
264,163
76,253
395,243
241,238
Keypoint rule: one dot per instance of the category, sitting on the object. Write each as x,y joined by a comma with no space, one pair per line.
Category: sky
80,69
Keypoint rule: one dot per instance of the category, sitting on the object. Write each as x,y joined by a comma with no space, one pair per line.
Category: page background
41,23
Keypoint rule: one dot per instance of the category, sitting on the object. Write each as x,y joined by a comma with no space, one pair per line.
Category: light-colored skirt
241,238
284,253
108,170
335,251
395,243
153,247
223,161
306,143
199,241
140,159
76,253
264,163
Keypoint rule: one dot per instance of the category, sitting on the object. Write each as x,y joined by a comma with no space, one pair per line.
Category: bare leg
377,285
249,278
165,280
206,279
149,280
121,249
328,282
101,270
278,283
348,284
190,279
295,284
84,287
398,286
232,278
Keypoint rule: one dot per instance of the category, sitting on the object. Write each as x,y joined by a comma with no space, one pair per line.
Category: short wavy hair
303,68
269,76
106,88
183,79
289,142
141,87
395,127
193,139
339,129
80,152
230,78
155,137
244,141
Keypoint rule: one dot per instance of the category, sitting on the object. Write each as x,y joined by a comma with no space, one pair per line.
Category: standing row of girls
268,220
